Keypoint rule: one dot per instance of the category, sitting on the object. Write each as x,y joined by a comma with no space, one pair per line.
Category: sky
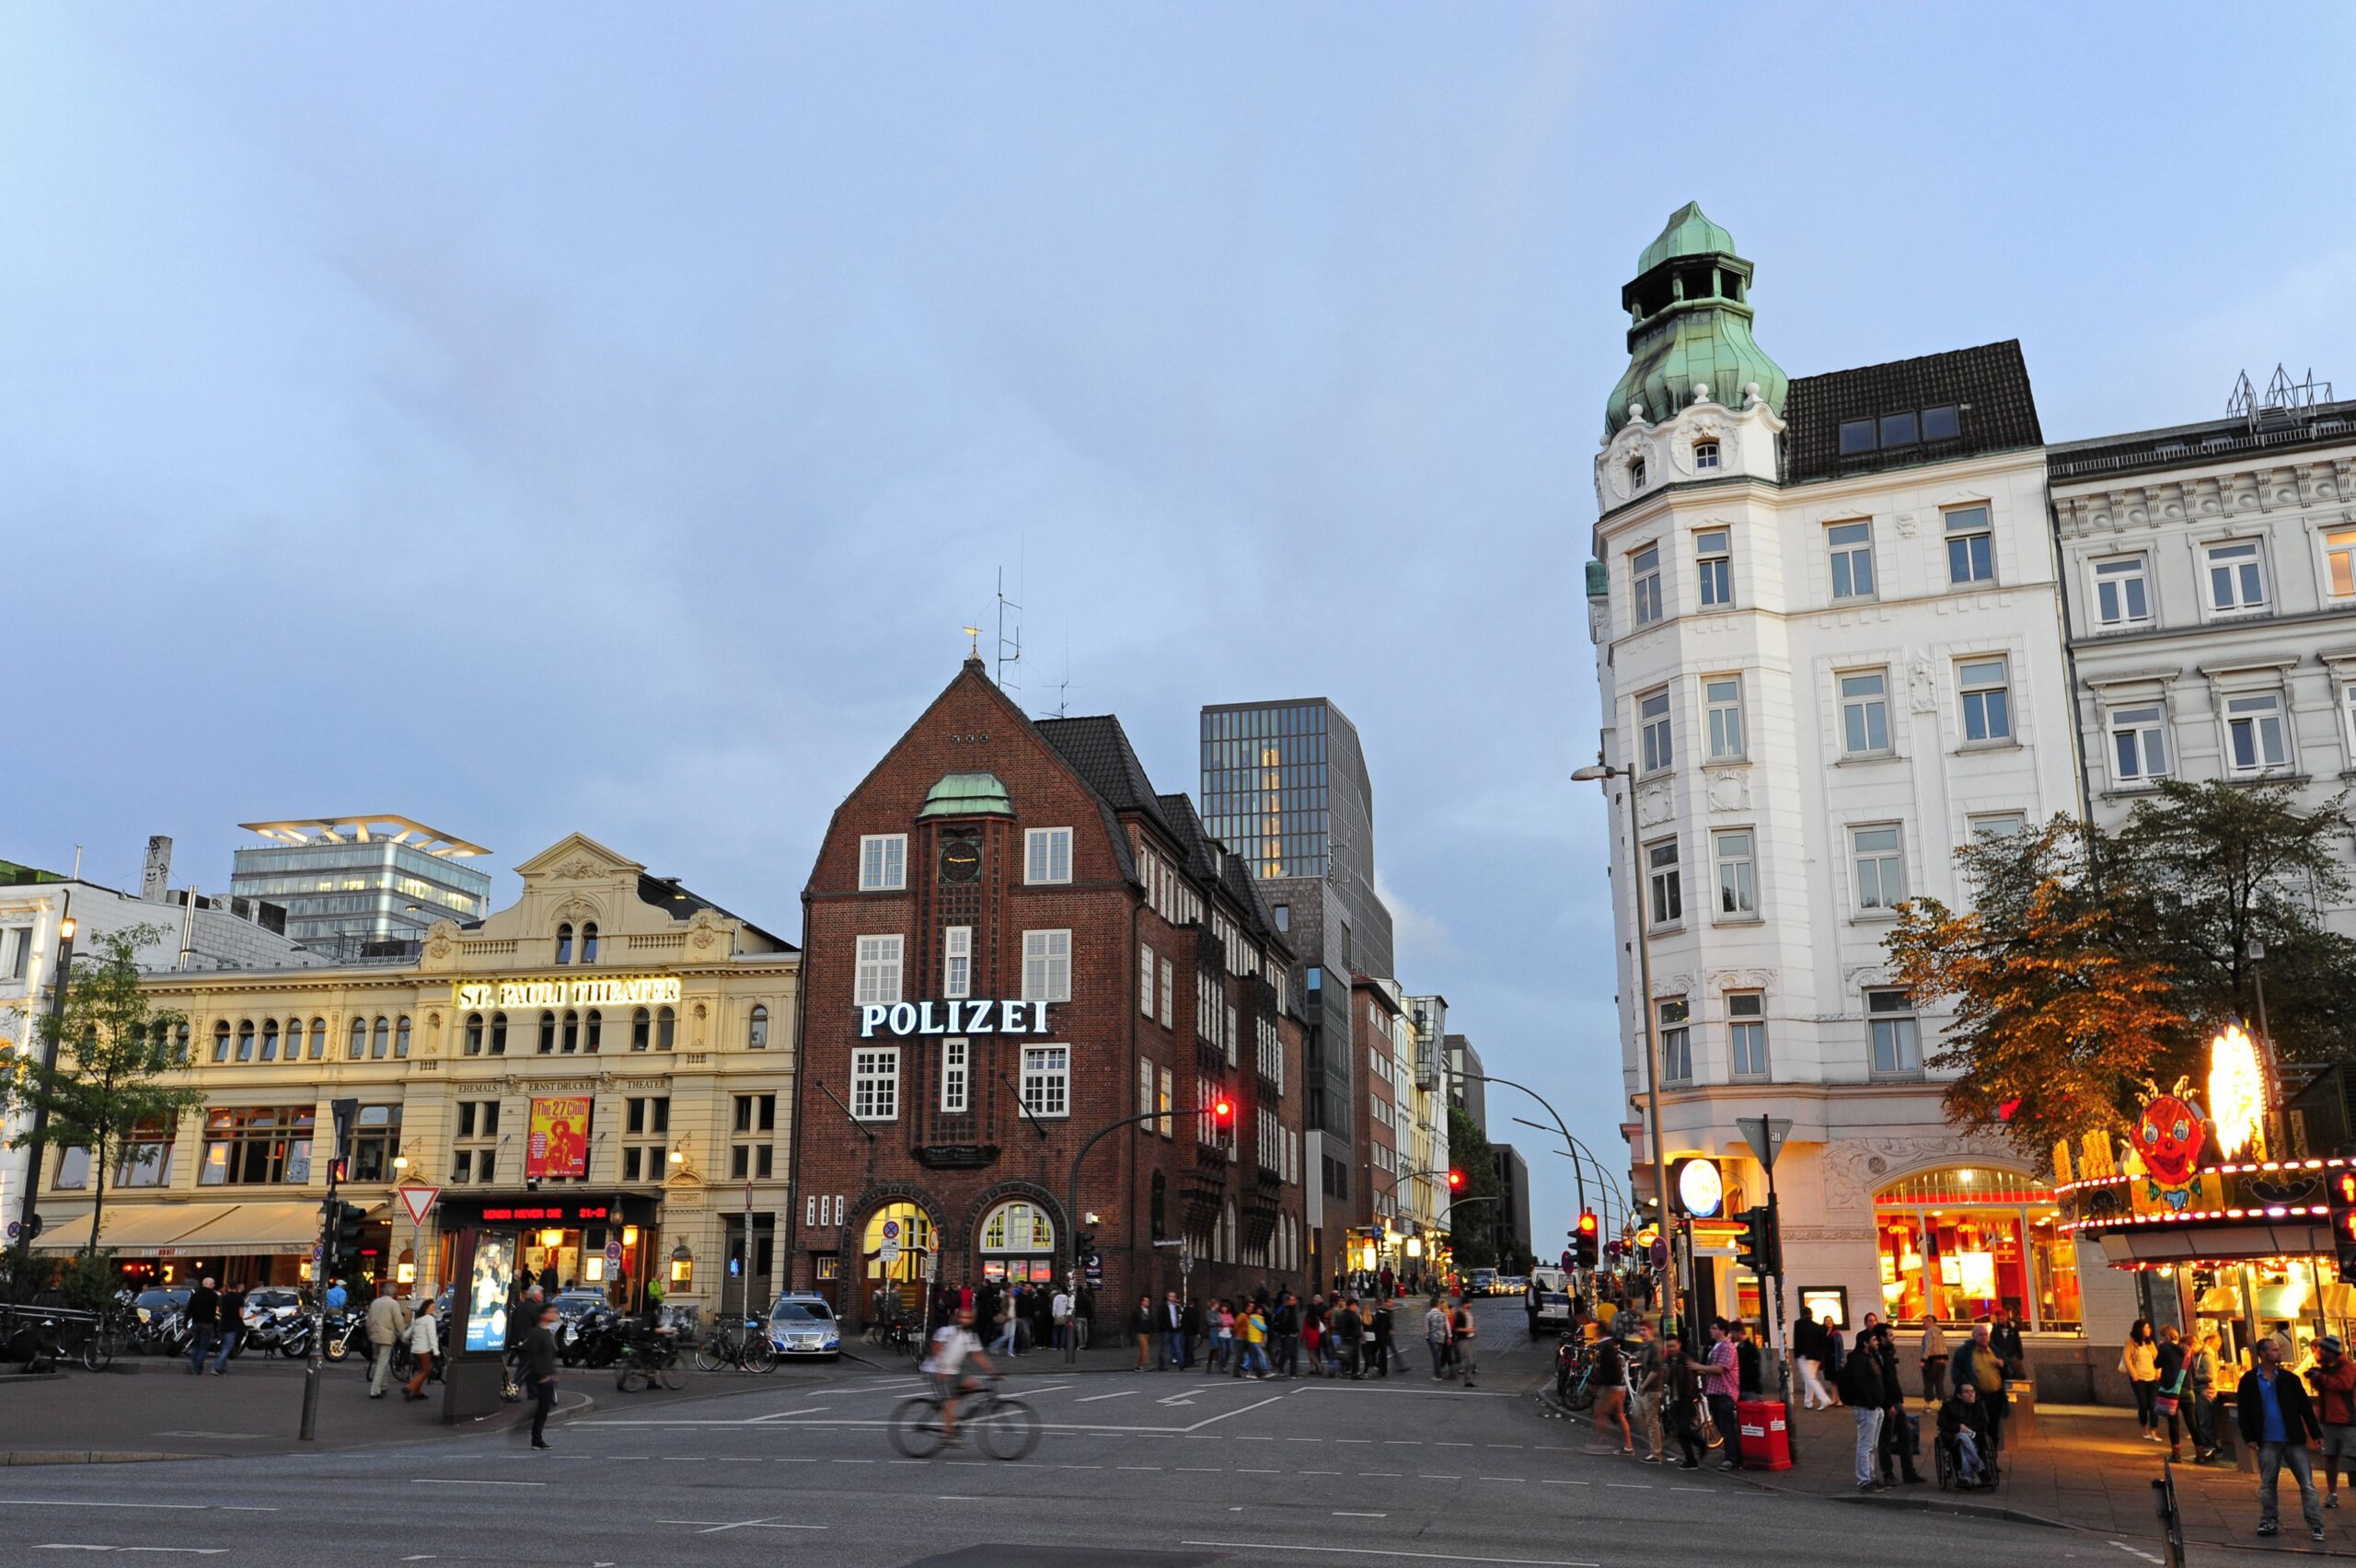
541,417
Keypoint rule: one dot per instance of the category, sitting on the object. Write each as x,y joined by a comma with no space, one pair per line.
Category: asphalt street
1159,1469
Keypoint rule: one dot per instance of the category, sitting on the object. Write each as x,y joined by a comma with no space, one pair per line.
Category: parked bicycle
743,1345
1003,1425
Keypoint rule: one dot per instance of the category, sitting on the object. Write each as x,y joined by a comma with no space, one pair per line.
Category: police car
803,1325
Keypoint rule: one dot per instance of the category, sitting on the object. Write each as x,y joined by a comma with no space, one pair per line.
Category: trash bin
1766,1436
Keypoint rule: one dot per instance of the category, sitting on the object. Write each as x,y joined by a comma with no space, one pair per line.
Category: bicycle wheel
98,1351
1008,1430
674,1375
629,1378
712,1355
760,1355
916,1427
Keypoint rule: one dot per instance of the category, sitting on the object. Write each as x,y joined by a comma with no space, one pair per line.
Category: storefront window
1961,1241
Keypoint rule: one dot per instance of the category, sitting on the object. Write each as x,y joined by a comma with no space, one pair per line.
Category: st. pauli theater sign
622,991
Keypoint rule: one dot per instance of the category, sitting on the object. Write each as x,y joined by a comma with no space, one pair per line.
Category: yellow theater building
605,1067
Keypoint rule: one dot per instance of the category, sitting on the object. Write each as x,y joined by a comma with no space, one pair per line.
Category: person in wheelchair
1963,1436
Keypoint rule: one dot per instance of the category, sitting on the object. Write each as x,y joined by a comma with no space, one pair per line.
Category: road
1151,1471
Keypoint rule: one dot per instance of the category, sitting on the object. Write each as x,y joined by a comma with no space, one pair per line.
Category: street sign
418,1200
891,1232
1766,1136
1095,1268
613,1251
889,1253
931,1267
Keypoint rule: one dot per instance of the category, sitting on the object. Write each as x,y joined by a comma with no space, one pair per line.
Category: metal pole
320,1271
35,1151
1652,1042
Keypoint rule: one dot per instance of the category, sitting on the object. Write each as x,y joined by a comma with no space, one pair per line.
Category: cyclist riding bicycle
954,1344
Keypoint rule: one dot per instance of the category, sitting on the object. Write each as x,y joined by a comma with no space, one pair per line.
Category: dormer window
1899,430
1636,474
1705,455
1857,436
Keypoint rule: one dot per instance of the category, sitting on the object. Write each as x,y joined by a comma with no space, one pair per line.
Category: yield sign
417,1200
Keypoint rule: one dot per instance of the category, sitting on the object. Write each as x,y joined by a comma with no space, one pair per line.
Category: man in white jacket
388,1319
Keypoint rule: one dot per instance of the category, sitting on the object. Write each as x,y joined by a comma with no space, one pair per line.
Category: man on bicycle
954,1344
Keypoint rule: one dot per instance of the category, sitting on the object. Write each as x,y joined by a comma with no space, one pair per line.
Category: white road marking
1239,1409
1372,1552
72,1503
466,1481
1116,1394
2144,1555
717,1526
84,1546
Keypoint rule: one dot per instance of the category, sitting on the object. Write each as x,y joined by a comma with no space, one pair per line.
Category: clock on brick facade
961,857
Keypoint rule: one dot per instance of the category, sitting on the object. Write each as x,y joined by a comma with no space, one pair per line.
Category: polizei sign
980,1017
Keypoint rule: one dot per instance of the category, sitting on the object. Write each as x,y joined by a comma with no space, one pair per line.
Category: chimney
157,881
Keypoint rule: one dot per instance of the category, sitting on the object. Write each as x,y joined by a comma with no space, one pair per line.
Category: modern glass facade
343,888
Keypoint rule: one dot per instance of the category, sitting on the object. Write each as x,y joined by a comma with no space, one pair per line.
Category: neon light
2237,1092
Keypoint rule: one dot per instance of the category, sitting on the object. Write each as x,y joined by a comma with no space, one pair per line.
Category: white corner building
1829,644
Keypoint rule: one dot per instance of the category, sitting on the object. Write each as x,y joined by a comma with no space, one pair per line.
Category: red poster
559,1142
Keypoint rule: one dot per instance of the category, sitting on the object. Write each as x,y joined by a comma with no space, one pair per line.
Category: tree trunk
99,1208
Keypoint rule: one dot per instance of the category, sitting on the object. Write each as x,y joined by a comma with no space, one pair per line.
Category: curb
85,1457
1936,1505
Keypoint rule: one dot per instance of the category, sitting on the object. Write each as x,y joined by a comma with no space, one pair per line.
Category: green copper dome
1689,311
967,794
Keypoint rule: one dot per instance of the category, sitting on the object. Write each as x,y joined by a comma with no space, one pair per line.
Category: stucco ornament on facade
1855,1169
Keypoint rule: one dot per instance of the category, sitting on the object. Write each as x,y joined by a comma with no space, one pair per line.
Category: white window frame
1875,895
1714,568
2241,709
1966,525
1664,884
1144,979
1726,736
1047,856
1996,825
879,968
1859,741
2338,565
1973,704
1145,1089
2348,716
2130,576
956,1076
1845,549
883,862
875,1083
1673,1023
1163,1106
1738,874
2147,723
1046,1082
1644,578
957,961
1046,965
2245,560
1169,993
1904,1036
1656,740
1746,1034
1705,455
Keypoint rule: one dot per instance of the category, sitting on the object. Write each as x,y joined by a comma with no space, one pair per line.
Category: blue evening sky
537,418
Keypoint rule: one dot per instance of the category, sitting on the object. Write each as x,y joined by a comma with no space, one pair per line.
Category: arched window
1018,1228
666,1029
589,942
179,1042
270,1040
758,1039
571,1031
319,1038
548,1034
381,1039
245,1040
499,1034
912,1228
221,1041
1636,474
1959,1240
401,1036
1705,455
642,1029
294,1039
359,1038
594,1032
474,1035
564,942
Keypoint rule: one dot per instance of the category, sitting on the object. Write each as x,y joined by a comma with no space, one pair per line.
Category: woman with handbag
2168,1392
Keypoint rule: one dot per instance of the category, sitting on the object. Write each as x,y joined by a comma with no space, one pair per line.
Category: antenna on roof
1063,687
1009,652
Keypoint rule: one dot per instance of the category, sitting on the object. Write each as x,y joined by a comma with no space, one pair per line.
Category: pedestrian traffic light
1586,1241
2343,1220
1754,1247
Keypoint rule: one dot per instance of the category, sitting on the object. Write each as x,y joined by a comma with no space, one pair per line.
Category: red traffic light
1587,1224
1456,1181
1223,1112
2343,1187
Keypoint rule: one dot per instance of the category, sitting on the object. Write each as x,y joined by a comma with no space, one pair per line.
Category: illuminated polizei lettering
980,1020
625,991
870,1016
981,1015
925,1025
904,1017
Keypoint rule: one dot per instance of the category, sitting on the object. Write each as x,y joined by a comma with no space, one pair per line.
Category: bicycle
744,1346
1004,1426
648,1359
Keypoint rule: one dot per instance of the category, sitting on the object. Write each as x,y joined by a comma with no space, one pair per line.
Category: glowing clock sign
1701,1191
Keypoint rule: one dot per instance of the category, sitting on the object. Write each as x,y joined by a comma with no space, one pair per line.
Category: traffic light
1755,1248
1084,1244
2343,1220
1223,1114
1456,1181
343,1238
1585,1241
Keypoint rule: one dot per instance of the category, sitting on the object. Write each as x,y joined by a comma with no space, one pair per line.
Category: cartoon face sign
2168,1136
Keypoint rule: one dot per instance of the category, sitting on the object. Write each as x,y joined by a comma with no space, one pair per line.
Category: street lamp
1598,773
36,1150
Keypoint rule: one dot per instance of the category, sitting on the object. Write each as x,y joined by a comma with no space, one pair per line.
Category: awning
247,1230
62,1231
2214,1244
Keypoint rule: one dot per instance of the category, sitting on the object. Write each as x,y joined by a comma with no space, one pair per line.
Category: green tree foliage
2058,1020
2206,876
1471,1227
114,1055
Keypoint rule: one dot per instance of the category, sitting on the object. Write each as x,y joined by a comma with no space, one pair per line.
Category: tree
112,1054
1471,1227
2058,1020
2210,875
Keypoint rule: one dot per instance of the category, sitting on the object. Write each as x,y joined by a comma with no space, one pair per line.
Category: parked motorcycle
345,1335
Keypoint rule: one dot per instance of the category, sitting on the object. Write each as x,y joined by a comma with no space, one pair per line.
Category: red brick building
1010,941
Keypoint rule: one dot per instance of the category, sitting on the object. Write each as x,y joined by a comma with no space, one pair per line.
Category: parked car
1483,1282
1551,1309
580,1303
156,1301
803,1325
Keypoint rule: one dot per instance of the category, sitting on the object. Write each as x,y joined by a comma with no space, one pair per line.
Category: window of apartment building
1232,1035
1722,707
755,1113
1714,564
2348,714
2236,576
1662,882
1747,1033
1163,1102
17,952
1676,1041
883,862
358,1045
1852,549
1636,474
878,977
1879,855
1145,980
1738,874
564,943
589,942
245,1040
1644,571
221,1041
2255,741
1047,966
757,1031
257,1147
2122,591
1047,855
1145,1093
1652,745
1706,456
73,1169
270,1040
957,961
1997,824
1856,437
1896,1047
376,1142
2139,743
144,1159
1972,546
475,1151
2339,563
875,1083
955,1075
1901,430
1047,1080
752,1162
1985,689
1864,713
1169,988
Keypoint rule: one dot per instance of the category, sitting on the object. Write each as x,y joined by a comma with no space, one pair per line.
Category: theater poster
558,1143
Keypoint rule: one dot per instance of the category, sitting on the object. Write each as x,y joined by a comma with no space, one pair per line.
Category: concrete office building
1466,1089
359,887
1513,1205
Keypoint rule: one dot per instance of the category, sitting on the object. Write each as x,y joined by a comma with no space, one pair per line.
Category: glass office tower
362,886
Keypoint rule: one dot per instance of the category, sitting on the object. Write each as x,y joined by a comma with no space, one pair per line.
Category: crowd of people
1276,1334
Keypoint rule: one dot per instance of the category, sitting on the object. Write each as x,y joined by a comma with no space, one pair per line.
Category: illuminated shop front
574,1240
1960,1241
